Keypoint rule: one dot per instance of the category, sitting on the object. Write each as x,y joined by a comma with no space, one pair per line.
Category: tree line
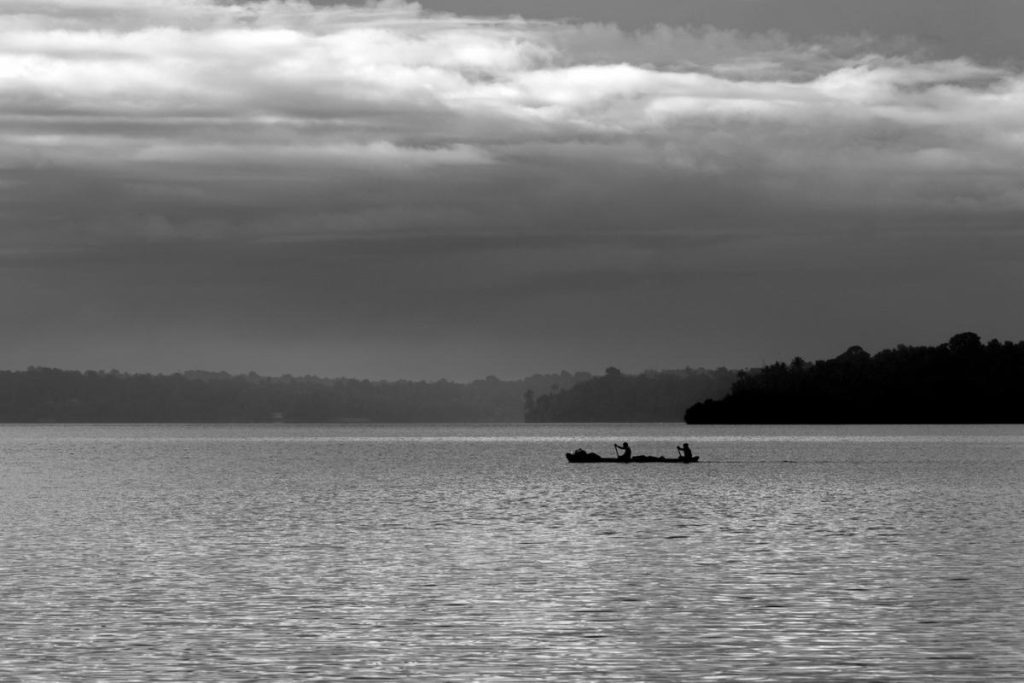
51,395
961,381
652,396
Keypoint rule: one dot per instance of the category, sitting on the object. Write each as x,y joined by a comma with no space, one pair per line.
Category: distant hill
51,395
615,397
961,381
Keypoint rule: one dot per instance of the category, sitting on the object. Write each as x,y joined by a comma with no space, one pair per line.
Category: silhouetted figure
627,452
684,452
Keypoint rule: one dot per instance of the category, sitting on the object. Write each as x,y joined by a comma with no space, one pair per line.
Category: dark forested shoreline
962,381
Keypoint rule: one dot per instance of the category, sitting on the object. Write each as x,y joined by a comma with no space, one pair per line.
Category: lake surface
476,553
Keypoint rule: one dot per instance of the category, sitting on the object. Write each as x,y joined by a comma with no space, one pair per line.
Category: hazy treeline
50,395
961,381
615,397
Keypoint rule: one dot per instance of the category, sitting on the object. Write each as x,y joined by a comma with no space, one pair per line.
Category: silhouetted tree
962,381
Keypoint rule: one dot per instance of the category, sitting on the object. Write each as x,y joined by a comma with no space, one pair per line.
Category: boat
582,456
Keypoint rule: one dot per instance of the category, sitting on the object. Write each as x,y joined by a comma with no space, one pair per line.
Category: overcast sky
471,187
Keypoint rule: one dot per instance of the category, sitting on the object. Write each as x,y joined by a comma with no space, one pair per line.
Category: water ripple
195,553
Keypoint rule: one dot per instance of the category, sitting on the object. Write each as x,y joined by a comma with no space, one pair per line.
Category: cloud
198,113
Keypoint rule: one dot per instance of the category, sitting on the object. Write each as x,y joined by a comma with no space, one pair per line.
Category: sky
463,188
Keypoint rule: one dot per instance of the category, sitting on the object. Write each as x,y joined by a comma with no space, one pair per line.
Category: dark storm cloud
361,190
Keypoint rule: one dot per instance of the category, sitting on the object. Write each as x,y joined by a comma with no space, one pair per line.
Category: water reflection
200,554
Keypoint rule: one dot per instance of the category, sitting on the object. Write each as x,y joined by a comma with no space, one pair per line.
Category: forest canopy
961,381
616,397
51,395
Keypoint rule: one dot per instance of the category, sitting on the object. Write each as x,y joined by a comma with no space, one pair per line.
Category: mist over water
468,553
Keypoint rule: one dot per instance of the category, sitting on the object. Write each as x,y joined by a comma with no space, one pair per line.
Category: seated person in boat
684,452
627,452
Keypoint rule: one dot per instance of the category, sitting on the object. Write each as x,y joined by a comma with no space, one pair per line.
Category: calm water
241,553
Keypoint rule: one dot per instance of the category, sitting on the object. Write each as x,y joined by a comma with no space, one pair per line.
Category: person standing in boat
627,452
684,452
